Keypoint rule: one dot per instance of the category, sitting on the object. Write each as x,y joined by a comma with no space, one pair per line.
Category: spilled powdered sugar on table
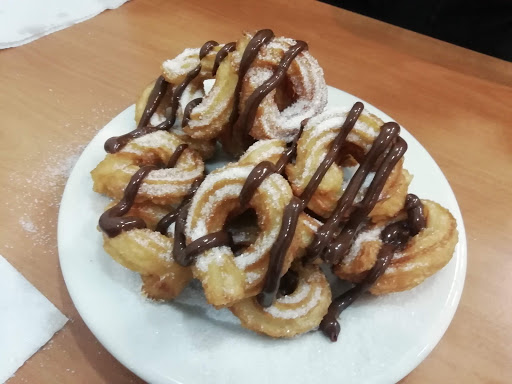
37,204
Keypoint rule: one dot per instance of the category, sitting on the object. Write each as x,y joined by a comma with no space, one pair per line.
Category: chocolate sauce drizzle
188,110
288,283
176,155
415,217
264,169
185,254
112,222
178,92
166,221
246,118
394,237
116,143
326,232
330,325
334,237
341,244
182,253
233,141
221,55
278,251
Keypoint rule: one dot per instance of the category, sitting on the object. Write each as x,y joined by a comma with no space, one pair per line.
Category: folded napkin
27,320
22,21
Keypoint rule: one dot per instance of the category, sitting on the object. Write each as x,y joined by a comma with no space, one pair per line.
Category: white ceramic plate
382,339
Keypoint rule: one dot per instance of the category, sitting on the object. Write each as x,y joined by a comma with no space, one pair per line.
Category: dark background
483,26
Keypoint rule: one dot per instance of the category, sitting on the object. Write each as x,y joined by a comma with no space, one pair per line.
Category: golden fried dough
293,314
162,186
424,254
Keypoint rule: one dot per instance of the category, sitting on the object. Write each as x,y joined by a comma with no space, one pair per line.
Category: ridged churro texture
425,254
162,186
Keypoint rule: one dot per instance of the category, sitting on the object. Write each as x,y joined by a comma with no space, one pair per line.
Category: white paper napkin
27,320
22,21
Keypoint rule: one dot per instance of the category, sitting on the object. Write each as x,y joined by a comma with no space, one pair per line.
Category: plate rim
395,374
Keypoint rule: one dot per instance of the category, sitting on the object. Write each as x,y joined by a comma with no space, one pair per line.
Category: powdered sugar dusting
406,266
209,109
333,119
295,313
182,63
312,224
154,241
258,76
297,296
281,43
140,240
37,188
318,153
309,86
39,193
166,181
251,277
156,119
227,192
157,139
27,224
266,149
214,196
160,190
322,130
221,174
215,256
363,237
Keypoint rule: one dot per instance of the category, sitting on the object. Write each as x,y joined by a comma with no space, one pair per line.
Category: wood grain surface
57,92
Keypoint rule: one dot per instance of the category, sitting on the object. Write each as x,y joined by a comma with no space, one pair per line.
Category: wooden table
58,91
